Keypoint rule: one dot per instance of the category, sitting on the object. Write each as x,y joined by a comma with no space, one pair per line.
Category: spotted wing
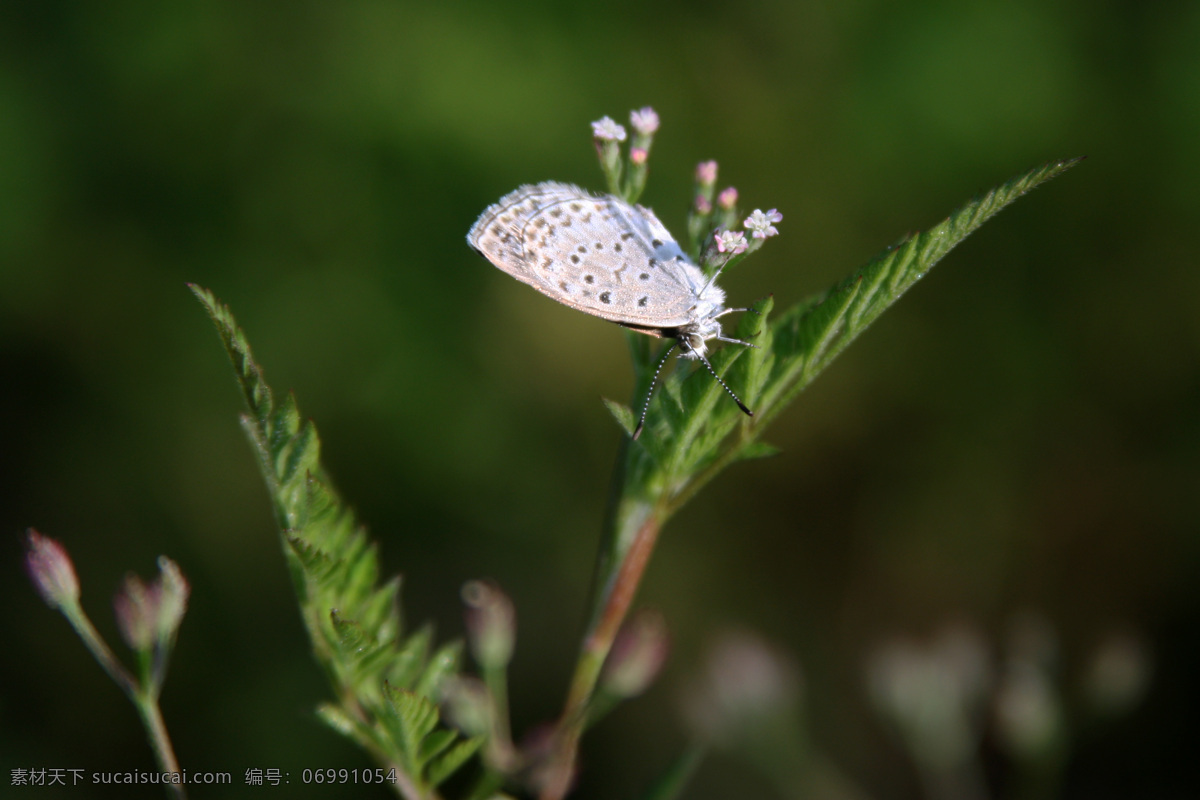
596,254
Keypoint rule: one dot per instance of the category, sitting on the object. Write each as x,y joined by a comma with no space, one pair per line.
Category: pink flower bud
637,655
51,571
136,608
151,613
644,121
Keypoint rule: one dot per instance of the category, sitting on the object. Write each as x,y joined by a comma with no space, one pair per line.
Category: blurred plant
148,616
947,697
935,696
387,683
1117,675
748,701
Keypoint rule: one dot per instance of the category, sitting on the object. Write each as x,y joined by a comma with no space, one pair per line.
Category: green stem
160,742
616,597
144,699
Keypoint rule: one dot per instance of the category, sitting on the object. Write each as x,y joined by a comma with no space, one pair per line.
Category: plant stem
142,696
618,594
160,742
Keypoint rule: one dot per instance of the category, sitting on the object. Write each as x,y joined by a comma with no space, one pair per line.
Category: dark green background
1020,433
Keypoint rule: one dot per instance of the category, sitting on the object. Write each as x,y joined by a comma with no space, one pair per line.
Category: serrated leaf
691,435
335,565
350,634
442,664
413,718
336,718
381,611
410,660
435,744
809,337
255,391
315,561
285,422
622,414
758,450
443,767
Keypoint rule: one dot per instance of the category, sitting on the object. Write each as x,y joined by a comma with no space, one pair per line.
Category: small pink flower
733,242
644,121
51,571
606,130
728,197
638,156
703,206
759,224
706,173
136,606
152,612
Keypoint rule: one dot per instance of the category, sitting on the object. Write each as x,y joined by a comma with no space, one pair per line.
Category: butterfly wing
595,254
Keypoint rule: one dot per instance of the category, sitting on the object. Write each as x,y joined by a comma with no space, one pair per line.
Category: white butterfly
609,259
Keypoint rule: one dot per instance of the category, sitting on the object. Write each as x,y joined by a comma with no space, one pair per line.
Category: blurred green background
1019,435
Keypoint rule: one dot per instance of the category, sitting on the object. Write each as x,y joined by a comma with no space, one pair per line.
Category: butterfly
610,259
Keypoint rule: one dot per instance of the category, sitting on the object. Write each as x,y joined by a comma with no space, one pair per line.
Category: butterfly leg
736,341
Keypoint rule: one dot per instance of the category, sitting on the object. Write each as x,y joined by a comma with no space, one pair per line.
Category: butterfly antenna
725,386
711,281
641,422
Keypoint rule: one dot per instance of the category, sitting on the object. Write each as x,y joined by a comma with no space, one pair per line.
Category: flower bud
491,623
150,614
51,571
173,596
468,705
644,122
135,608
637,655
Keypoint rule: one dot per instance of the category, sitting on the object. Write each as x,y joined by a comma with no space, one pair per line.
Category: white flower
606,130
759,224
733,242
644,121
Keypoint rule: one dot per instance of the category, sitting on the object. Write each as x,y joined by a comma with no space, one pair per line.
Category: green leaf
435,744
693,431
758,450
353,621
622,414
409,718
811,335
409,661
443,767
443,664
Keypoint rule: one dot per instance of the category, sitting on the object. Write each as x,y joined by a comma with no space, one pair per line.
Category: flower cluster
713,216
